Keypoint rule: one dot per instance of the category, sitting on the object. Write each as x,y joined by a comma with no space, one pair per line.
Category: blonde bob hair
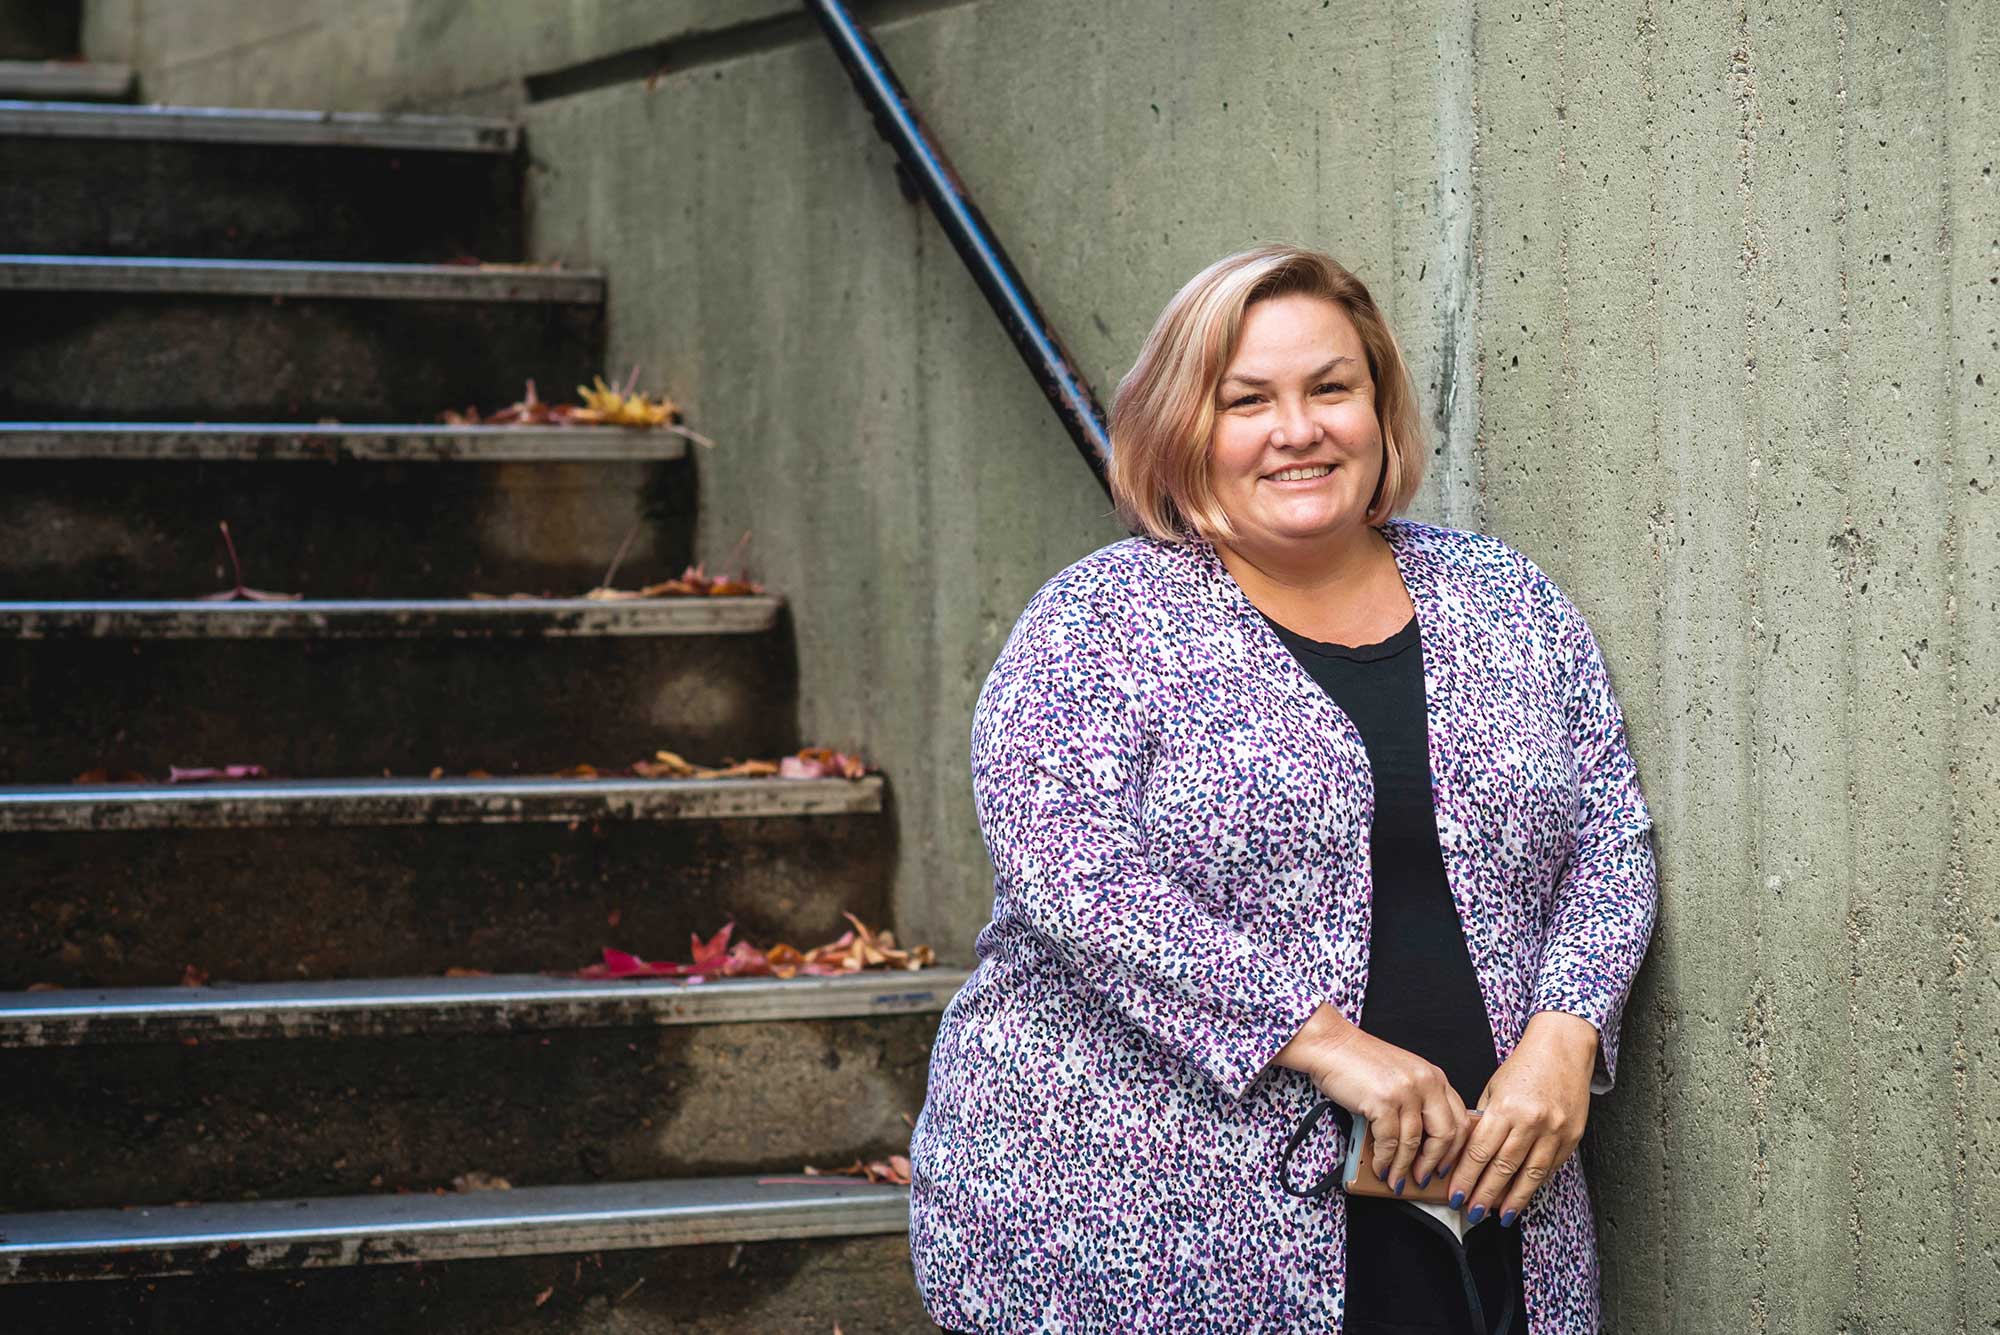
1164,414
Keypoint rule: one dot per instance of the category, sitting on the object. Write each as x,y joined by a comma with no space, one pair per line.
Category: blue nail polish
1457,1200
1507,1219
1478,1213
1399,1185
1423,1179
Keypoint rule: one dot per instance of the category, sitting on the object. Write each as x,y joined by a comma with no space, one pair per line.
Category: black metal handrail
897,120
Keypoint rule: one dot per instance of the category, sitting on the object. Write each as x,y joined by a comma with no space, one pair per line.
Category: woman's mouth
1300,477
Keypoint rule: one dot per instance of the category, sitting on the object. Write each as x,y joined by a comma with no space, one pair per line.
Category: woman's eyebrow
1259,382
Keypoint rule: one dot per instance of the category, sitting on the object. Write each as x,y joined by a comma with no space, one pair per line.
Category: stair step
241,125
862,1284
351,802
377,1007
262,185
101,1125
258,340
387,618
77,80
127,510
321,442
372,1230
322,279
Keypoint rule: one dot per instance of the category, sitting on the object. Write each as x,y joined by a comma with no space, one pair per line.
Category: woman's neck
1344,589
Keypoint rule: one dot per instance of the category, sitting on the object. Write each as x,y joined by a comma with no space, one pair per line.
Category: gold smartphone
1357,1178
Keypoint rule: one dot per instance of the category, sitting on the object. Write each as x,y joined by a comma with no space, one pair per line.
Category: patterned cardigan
1179,820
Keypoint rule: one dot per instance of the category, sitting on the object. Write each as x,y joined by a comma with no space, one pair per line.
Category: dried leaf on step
241,590
193,977
819,762
605,406
111,776
663,765
477,1180
210,773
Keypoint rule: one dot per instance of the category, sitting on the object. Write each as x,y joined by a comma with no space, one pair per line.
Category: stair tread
176,275
323,441
361,1230
378,1006
102,80
385,618
241,125
418,801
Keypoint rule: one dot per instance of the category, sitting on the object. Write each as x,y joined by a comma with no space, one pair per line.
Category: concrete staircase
190,295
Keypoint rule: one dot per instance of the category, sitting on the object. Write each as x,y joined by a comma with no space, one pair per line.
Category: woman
1287,799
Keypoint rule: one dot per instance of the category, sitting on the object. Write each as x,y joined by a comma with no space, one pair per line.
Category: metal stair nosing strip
324,442
373,1230
239,125
501,1003
64,78
387,618
265,804
304,279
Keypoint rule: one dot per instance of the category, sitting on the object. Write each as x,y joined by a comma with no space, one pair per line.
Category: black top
1422,994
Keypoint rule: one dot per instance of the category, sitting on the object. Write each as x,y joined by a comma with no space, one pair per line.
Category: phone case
1357,1179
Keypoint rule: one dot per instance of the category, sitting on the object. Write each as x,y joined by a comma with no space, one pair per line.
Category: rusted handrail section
897,120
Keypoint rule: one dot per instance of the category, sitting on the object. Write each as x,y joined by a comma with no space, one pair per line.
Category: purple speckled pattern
1178,818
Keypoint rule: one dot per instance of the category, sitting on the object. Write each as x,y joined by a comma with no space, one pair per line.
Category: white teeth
1292,474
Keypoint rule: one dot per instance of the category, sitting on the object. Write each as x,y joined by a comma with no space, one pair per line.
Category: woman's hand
1532,1115
1418,1121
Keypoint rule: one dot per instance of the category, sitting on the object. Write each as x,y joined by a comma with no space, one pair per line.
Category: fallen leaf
456,972
210,773
860,948
476,1180
110,776
193,977
241,590
602,405
819,762
545,1295
45,987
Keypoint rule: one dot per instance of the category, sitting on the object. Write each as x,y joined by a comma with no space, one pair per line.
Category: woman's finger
1543,1157
1410,1116
1468,1123
1489,1133
1442,1118
1397,1130
1496,1173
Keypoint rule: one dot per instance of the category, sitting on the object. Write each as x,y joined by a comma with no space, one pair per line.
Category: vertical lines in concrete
1586,516
1846,544
1902,704
1972,364
1707,851
1972,92
1651,1128
1453,243
1801,653
1757,1021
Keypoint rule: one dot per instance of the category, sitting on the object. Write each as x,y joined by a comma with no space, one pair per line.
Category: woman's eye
1239,402
1332,385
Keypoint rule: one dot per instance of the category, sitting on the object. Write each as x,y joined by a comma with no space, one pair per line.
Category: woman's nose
1295,427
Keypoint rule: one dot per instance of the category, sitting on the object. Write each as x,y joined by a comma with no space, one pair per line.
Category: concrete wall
1706,299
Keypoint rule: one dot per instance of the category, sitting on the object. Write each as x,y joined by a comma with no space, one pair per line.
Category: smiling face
1296,395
